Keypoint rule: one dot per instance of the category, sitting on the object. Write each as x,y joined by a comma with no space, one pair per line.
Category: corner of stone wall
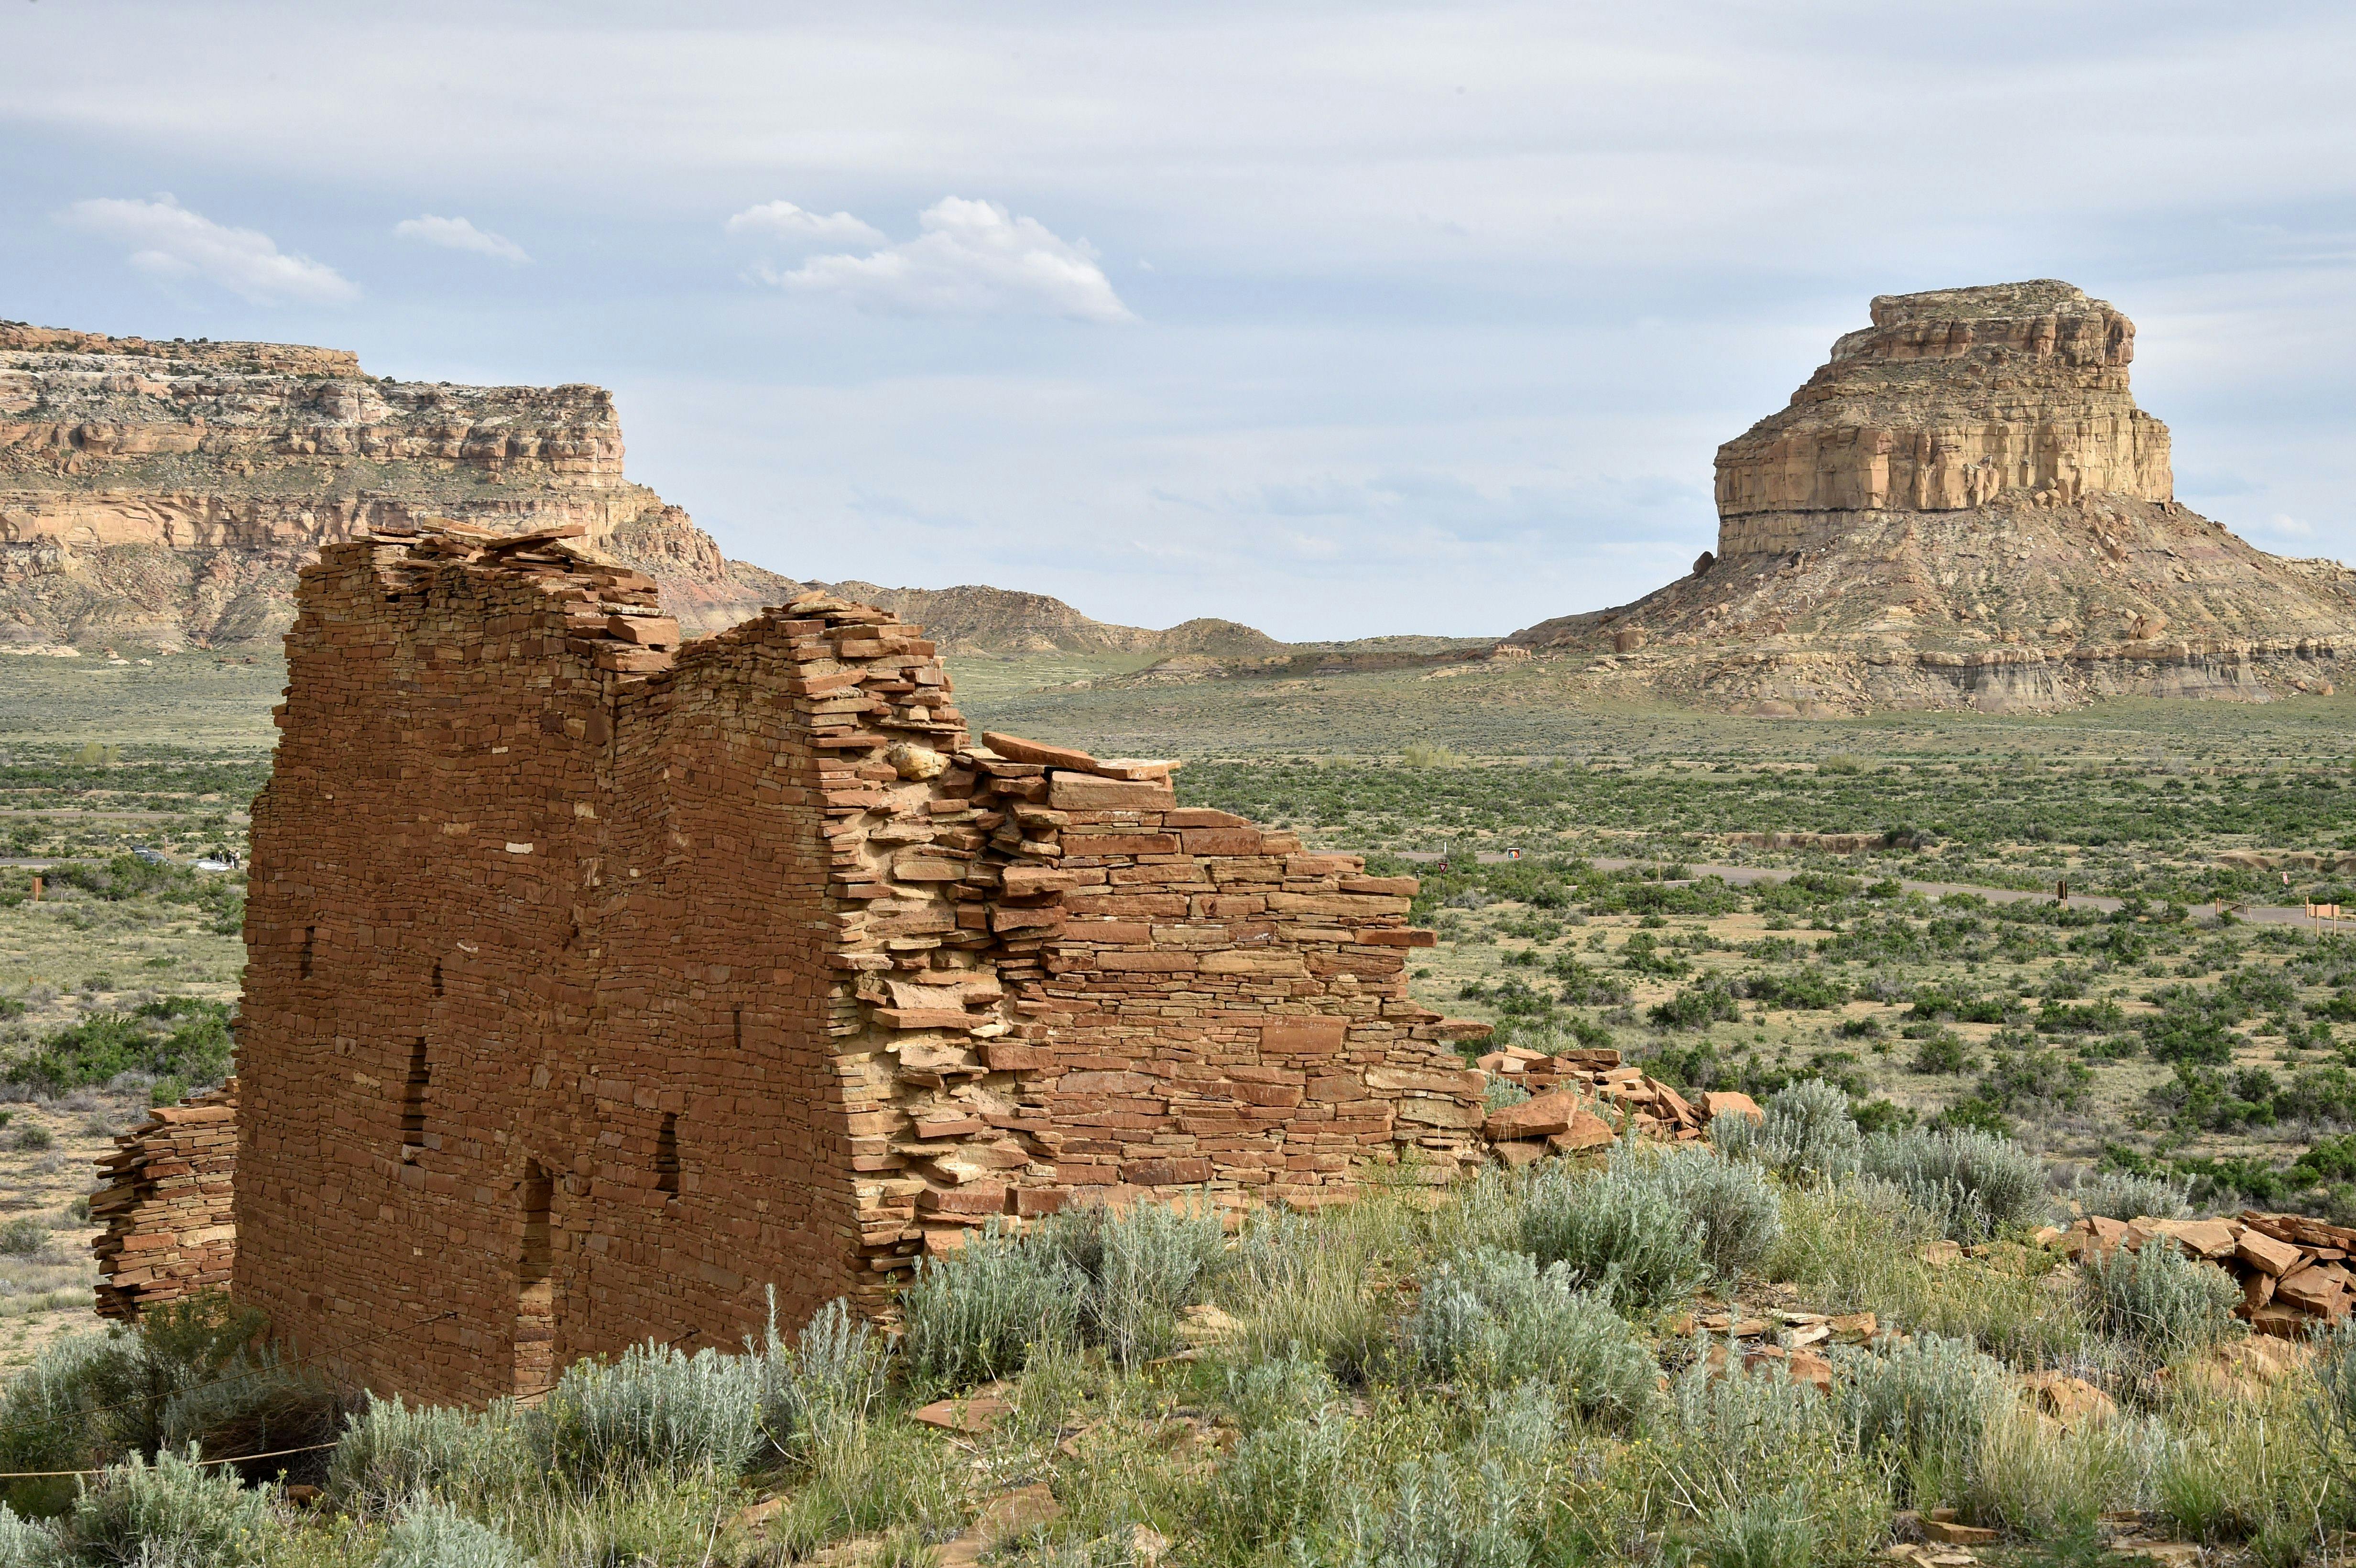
1057,984
164,1198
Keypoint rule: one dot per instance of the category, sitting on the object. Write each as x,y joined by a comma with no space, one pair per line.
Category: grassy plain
1315,1411
2132,798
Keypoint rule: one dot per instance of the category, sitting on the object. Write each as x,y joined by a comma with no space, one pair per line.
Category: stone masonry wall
164,1200
598,983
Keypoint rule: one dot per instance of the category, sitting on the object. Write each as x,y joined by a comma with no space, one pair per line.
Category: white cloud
458,234
784,220
974,258
173,243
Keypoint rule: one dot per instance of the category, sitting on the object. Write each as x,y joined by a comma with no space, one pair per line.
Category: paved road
1743,876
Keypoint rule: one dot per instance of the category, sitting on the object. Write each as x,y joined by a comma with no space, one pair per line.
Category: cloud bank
974,258
170,241
784,220
458,234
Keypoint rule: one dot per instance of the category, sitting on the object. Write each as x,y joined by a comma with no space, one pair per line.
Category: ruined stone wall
596,983
417,960
164,1200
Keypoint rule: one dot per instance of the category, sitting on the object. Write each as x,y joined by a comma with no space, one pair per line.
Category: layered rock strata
1964,508
599,980
167,493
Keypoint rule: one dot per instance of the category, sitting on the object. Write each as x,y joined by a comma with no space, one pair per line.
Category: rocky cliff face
167,492
1965,507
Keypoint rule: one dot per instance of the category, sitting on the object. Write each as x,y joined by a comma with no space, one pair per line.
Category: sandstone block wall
164,1199
596,982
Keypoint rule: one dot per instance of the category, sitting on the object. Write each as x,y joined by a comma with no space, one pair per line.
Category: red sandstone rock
1585,1132
2264,1253
1536,1117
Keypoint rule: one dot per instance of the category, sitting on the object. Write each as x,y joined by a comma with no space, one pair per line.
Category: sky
1340,320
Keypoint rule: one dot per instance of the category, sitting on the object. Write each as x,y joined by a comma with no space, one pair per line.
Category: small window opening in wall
310,942
739,1027
413,1096
667,1155
437,978
535,1321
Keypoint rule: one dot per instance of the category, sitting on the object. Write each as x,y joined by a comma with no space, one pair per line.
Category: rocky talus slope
1965,507
167,493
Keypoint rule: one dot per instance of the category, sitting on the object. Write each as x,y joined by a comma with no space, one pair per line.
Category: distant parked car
152,857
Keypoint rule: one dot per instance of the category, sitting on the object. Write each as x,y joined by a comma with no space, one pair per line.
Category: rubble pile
164,1201
1584,1099
2293,1270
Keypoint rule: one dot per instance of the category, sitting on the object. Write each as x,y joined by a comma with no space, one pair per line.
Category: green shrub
2124,1195
1620,1232
90,1400
1942,1051
47,1422
171,1514
433,1534
2160,1302
833,1376
1696,1007
985,1310
23,1238
1137,1268
1501,1092
175,1349
390,1452
2331,1406
1975,1182
1261,1392
1730,1203
1777,1530
1798,990
256,1402
1734,1438
1926,1405
1281,1484
652,1409
1493,1318
1445,1512
34,1138
27,1544
1301,1283
182,1038
872,1477
1805,1128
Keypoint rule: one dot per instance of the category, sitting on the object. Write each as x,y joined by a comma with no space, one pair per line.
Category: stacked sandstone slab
164,1199
2292,1271
599,981
1586,1099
